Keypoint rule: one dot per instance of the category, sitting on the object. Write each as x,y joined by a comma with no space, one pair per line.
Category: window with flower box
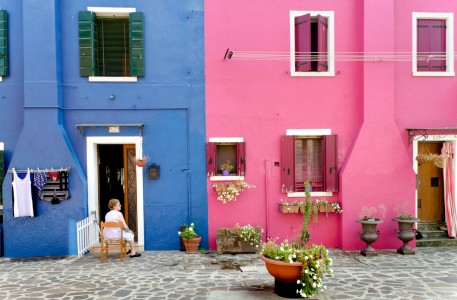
309,155
223,150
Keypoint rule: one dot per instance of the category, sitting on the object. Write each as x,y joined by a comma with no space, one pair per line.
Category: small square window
226,157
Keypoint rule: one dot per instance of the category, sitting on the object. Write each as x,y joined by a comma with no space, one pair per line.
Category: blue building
89,86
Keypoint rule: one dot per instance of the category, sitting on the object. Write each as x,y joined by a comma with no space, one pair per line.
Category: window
433,44
312,43
221,150
111,44
3,44
309,157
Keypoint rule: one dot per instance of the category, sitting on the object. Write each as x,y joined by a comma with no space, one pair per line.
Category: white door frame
92,171
433,138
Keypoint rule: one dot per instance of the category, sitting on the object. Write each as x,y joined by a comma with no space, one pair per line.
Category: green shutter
136,44
87,43
3,43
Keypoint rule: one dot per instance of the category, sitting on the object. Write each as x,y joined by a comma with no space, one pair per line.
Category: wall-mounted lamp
153,171
112,97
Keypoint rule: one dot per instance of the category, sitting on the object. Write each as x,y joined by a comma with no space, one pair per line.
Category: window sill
434,74
312,74
112,79
313,194
226,178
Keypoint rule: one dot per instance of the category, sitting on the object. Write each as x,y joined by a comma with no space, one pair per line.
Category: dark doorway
111,176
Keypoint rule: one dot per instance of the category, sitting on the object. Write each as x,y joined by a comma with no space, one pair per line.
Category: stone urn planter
233,245
369,235
406,234
192,244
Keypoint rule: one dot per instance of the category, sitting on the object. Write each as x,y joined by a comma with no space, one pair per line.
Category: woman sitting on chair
114,215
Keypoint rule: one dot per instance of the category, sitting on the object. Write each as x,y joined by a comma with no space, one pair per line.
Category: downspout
267,197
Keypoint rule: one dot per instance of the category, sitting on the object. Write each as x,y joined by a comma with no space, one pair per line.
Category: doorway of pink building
430,186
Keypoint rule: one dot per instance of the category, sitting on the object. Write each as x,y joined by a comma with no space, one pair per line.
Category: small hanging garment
22,192
39,180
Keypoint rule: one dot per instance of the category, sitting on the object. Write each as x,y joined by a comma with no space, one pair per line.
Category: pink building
343,93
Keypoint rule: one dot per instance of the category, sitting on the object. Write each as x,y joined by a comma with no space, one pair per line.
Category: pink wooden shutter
287,164
322,50
241,158
423,45
331,163
211,159
303,43
438,45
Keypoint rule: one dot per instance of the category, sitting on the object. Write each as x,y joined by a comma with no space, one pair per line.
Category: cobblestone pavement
430,274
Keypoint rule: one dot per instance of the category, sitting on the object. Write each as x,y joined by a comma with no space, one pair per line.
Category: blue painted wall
168,100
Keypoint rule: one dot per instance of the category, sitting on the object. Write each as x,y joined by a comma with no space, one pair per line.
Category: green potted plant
298,269
190,238
226,168
239,239
229,191
367,217
406,231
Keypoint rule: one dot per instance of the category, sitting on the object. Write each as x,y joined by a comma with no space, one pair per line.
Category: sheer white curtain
449,196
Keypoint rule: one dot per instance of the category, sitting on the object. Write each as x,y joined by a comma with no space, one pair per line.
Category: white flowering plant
249,233
315,263
228,191
188,232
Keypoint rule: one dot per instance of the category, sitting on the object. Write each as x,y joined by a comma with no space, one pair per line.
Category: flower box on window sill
320,208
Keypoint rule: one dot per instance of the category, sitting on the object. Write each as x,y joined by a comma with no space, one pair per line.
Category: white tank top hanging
22,192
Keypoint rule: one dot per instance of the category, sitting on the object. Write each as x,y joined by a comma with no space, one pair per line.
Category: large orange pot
282,270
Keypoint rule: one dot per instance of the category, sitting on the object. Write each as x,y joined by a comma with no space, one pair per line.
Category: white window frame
449,18
330,15
308,132
230,140
114,12
1,79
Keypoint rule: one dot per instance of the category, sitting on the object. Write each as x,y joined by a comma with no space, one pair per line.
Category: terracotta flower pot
192,244
282,270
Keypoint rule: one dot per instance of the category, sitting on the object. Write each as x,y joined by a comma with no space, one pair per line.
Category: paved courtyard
430,274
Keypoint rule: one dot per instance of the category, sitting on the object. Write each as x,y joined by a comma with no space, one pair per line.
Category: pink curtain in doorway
449,196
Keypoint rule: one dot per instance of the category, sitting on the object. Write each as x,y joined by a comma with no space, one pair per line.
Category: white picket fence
87,234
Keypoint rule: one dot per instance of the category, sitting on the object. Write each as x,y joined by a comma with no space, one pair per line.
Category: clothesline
38,170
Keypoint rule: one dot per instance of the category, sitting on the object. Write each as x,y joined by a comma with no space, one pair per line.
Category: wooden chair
106,243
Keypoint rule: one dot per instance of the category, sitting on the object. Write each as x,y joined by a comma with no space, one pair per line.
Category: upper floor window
3,44
111,42
312,43
433,44
223,152
309,155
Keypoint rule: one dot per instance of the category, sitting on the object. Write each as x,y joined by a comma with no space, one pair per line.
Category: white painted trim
304,132
2,146
111,11
227,140
330,15
112,79
92,170
313,194
449,17
1,79
226,178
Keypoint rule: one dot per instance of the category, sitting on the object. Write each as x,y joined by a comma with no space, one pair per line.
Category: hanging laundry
56,188
22,196
39,180
54,175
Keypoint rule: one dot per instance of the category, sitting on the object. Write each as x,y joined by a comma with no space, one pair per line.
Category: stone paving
430,274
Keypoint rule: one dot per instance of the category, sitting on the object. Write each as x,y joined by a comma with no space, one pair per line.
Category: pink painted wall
368,105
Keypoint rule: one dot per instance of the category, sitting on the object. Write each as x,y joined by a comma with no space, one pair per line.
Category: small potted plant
190,238
141,161
406,231
226,168
239,239
369,234
228,191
